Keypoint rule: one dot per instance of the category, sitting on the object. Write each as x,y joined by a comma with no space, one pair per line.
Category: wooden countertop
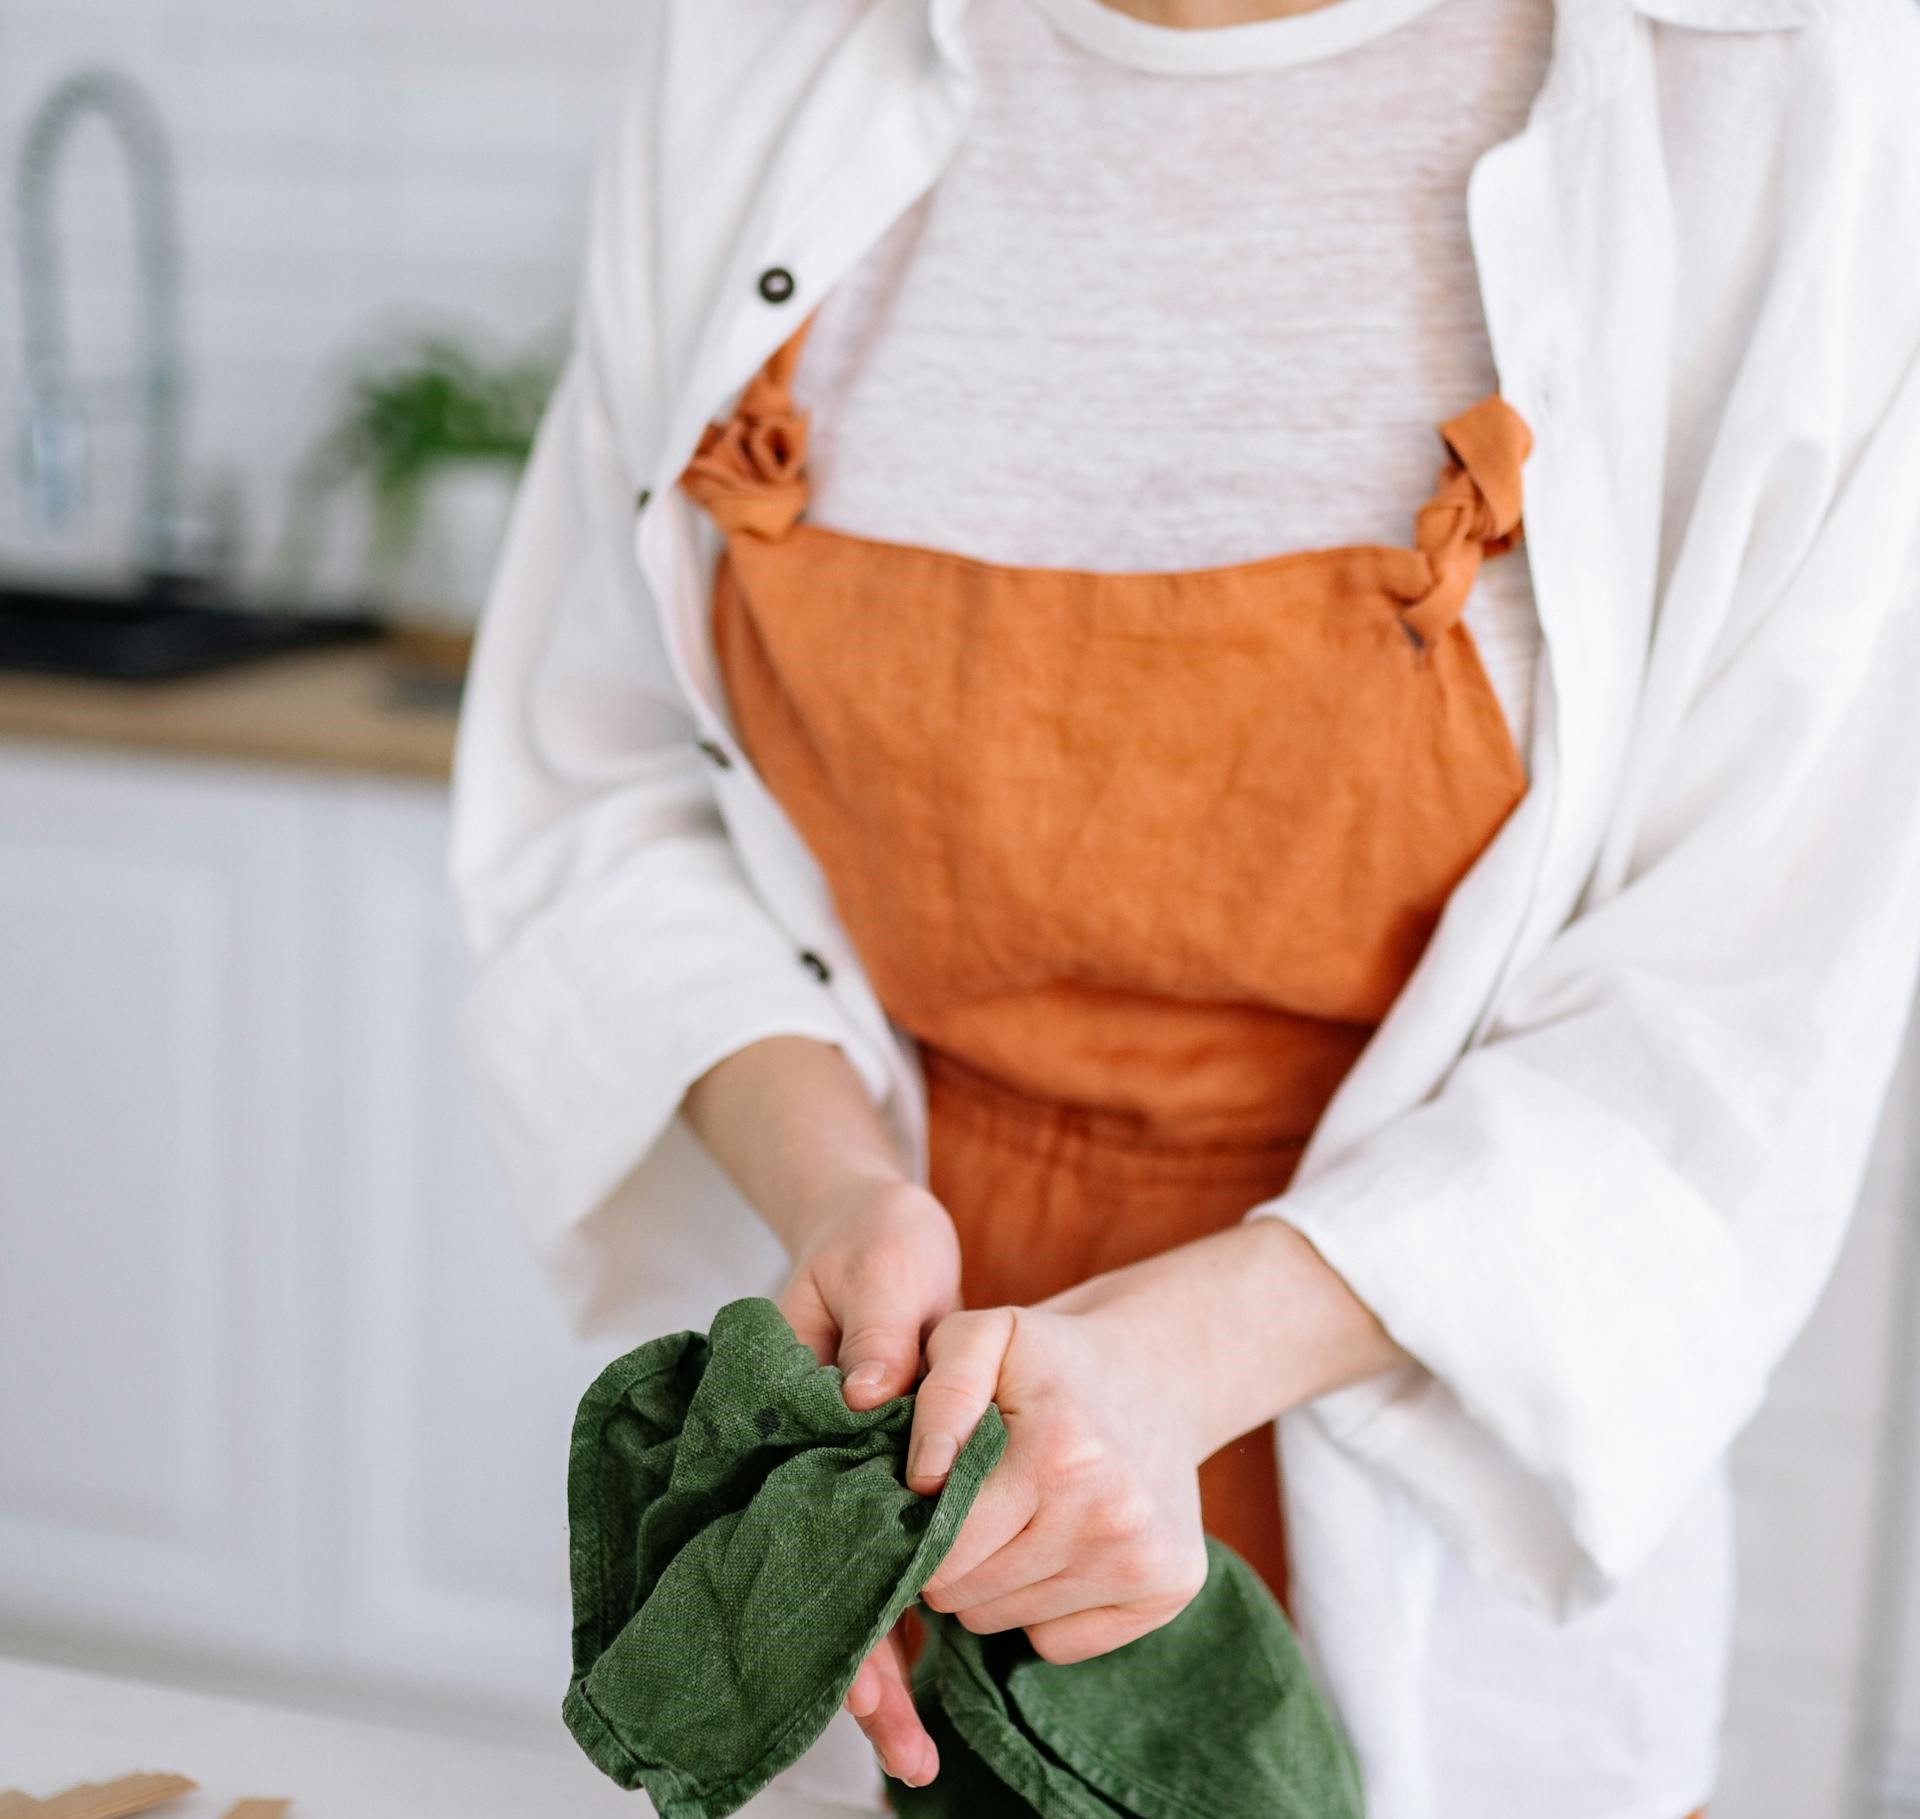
385,704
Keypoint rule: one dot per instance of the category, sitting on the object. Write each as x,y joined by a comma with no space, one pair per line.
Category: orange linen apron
1139,859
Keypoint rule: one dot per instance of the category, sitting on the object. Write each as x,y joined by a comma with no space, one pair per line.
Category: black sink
166,630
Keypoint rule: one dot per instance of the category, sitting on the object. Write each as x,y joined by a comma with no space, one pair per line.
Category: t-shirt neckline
1224,50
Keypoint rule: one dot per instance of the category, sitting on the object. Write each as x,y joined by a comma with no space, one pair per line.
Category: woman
1342,975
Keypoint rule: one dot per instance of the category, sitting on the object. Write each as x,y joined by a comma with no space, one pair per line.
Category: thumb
879,1350
806,1312
964,1355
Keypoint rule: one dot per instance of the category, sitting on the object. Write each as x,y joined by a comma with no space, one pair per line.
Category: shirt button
640,502
718,753
776,284
815,965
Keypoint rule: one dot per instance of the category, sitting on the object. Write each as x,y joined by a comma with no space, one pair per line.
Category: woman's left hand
1087,1532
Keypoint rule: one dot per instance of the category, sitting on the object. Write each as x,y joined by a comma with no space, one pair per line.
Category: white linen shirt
1593,1169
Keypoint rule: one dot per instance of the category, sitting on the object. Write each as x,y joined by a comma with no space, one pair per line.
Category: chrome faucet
55,449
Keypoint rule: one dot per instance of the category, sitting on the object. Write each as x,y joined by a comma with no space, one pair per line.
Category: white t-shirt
1185,297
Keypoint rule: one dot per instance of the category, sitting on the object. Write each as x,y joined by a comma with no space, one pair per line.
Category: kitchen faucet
55,451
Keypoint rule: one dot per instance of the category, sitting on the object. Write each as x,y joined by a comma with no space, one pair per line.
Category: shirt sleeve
1599,1235
620,948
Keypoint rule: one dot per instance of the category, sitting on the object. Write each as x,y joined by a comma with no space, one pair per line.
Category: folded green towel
741,1540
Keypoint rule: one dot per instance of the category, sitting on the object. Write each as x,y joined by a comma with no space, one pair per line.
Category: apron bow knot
751,471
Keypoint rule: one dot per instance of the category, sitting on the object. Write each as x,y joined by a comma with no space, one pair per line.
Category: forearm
1248,1323
790,1121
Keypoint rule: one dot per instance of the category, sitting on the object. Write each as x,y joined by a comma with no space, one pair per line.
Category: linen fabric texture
741,1539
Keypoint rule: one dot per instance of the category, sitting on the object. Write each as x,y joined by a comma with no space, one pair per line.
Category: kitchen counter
59,1728
385,704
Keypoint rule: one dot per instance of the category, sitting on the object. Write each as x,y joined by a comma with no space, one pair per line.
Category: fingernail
929,1767
866,1377
932,1455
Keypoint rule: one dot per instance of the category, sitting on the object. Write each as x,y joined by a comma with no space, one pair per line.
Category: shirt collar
1590,59
1737,15
1706,15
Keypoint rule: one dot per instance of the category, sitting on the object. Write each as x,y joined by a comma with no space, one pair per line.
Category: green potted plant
434,433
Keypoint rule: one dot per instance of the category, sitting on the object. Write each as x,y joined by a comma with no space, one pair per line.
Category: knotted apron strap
750,472
1474,511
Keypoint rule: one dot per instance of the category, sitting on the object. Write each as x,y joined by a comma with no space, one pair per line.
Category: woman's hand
876,1264
1087,1532
876,1268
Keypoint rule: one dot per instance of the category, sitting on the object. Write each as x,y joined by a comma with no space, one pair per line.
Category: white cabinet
152,929
278,1384
456,1382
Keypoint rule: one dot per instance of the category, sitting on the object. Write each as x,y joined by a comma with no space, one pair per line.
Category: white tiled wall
346,167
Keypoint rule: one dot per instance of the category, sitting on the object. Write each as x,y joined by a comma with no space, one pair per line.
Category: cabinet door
151,931
452,1379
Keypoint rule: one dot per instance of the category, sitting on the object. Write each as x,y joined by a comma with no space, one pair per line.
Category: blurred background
283,1410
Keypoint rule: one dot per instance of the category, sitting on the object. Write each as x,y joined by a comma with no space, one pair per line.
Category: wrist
1239,1327
1136,1324
858,1193
1165,1312
790,1121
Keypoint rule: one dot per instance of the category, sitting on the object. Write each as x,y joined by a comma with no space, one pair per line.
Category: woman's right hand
876,1266
876,1269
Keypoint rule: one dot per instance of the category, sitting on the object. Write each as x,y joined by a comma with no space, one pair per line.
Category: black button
776,284
815,965
640,504
718,753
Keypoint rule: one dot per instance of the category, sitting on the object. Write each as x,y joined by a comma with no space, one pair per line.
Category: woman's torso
1156,319
1139,827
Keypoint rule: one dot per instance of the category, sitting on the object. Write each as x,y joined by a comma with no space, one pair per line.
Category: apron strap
1475,508
775,377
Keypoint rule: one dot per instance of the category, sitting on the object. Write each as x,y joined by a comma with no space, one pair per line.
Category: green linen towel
741,1540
